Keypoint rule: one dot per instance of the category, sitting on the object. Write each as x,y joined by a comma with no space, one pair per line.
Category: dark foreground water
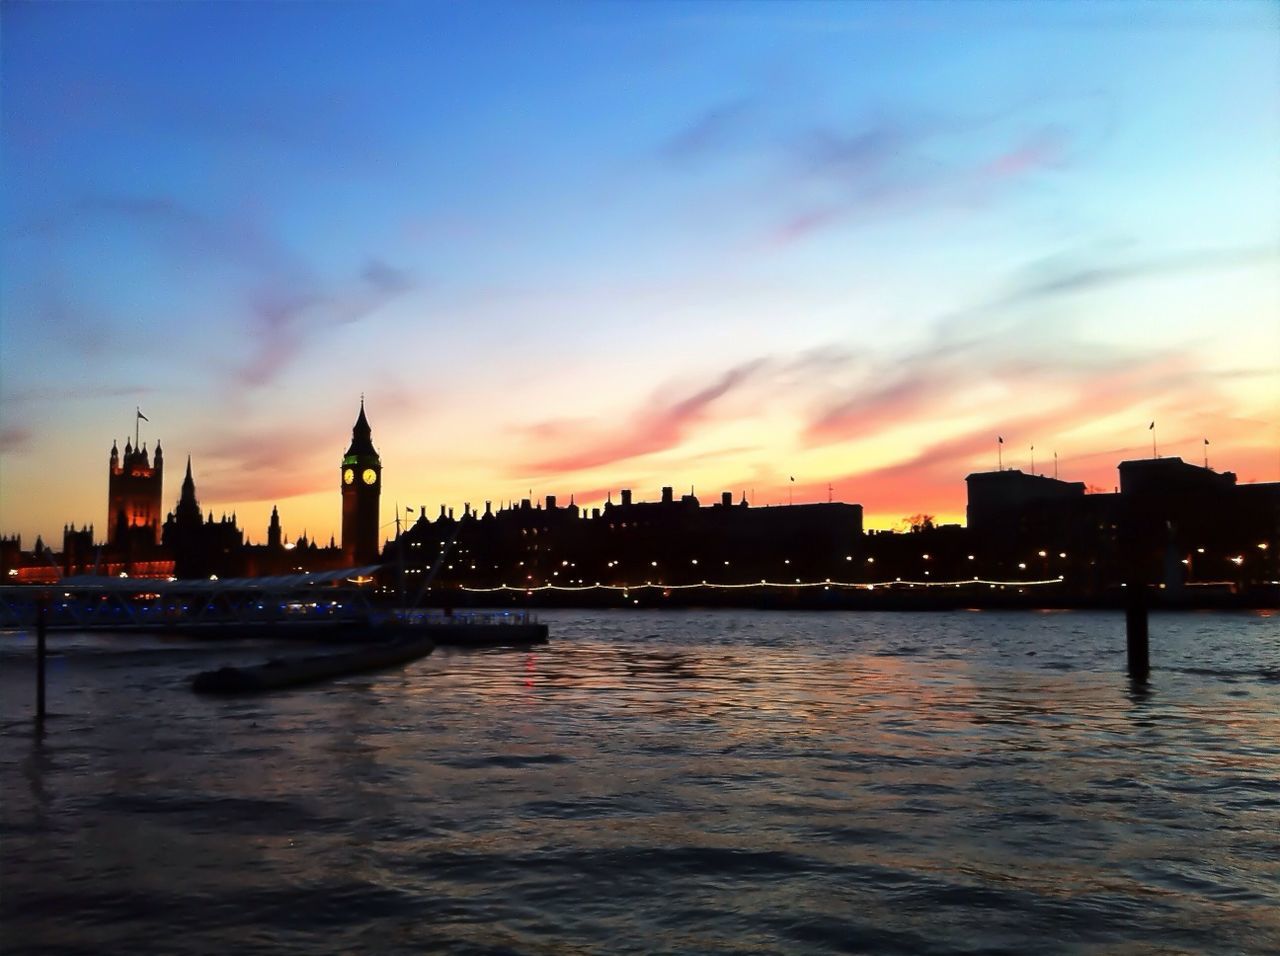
694,782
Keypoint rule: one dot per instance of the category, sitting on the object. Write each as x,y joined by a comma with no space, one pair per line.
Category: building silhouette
134,496
669,541
360,477
199,545
188,544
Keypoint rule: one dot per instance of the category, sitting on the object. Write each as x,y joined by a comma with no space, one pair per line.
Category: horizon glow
573,249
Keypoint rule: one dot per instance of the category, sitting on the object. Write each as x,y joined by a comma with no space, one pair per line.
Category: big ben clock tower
361,487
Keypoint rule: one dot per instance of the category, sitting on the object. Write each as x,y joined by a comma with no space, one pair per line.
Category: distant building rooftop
1171,476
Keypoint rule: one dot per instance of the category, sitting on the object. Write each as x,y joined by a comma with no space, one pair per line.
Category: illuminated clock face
369,476
348,476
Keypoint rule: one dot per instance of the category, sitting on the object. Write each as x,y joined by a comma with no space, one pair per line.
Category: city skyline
572,250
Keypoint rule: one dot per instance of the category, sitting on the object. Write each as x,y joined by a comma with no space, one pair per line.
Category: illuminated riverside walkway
827,584
831,594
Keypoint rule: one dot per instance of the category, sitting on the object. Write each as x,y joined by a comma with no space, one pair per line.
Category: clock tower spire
361,483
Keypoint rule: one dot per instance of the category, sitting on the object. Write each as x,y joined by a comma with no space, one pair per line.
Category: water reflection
1139,688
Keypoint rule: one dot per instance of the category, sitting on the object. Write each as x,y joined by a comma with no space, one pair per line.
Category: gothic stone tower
361,487
134,494
182,531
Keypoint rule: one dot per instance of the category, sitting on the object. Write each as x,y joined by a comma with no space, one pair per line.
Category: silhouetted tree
917,523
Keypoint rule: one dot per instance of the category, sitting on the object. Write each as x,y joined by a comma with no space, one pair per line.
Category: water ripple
712,782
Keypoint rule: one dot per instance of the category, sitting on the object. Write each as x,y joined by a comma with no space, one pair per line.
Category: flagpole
1055,466
1033,459
999,454
1154,453
399,561
137,417
1206,454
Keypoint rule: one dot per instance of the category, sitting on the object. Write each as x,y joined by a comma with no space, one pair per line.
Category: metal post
42,609
1135,628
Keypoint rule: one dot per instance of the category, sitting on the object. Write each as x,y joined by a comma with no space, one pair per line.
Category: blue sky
569,247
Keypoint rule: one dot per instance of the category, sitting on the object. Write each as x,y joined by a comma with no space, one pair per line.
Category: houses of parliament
190,543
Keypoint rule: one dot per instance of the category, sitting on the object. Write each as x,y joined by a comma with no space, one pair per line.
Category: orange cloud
648,431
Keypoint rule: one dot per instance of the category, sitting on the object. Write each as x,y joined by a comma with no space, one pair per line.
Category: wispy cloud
894,159
286,304
650,430
70,326
386,279
14,438
286,317
1055,278
987,344
58,393
889,168
710,131
263,463
172,228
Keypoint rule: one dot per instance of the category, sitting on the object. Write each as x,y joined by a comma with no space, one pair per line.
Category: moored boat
295,672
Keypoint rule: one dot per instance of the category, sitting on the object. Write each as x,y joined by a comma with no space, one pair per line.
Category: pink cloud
269,464
1037,151
648,431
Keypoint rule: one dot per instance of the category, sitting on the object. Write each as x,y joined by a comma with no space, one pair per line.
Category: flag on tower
1000,439
1151,426
142,416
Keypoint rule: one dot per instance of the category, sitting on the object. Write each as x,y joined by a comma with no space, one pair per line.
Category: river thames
675,782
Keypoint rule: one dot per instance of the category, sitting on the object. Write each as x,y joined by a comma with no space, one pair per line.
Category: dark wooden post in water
42,610
1135,629
1137,530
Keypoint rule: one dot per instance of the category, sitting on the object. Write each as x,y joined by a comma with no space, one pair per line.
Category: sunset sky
568,248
